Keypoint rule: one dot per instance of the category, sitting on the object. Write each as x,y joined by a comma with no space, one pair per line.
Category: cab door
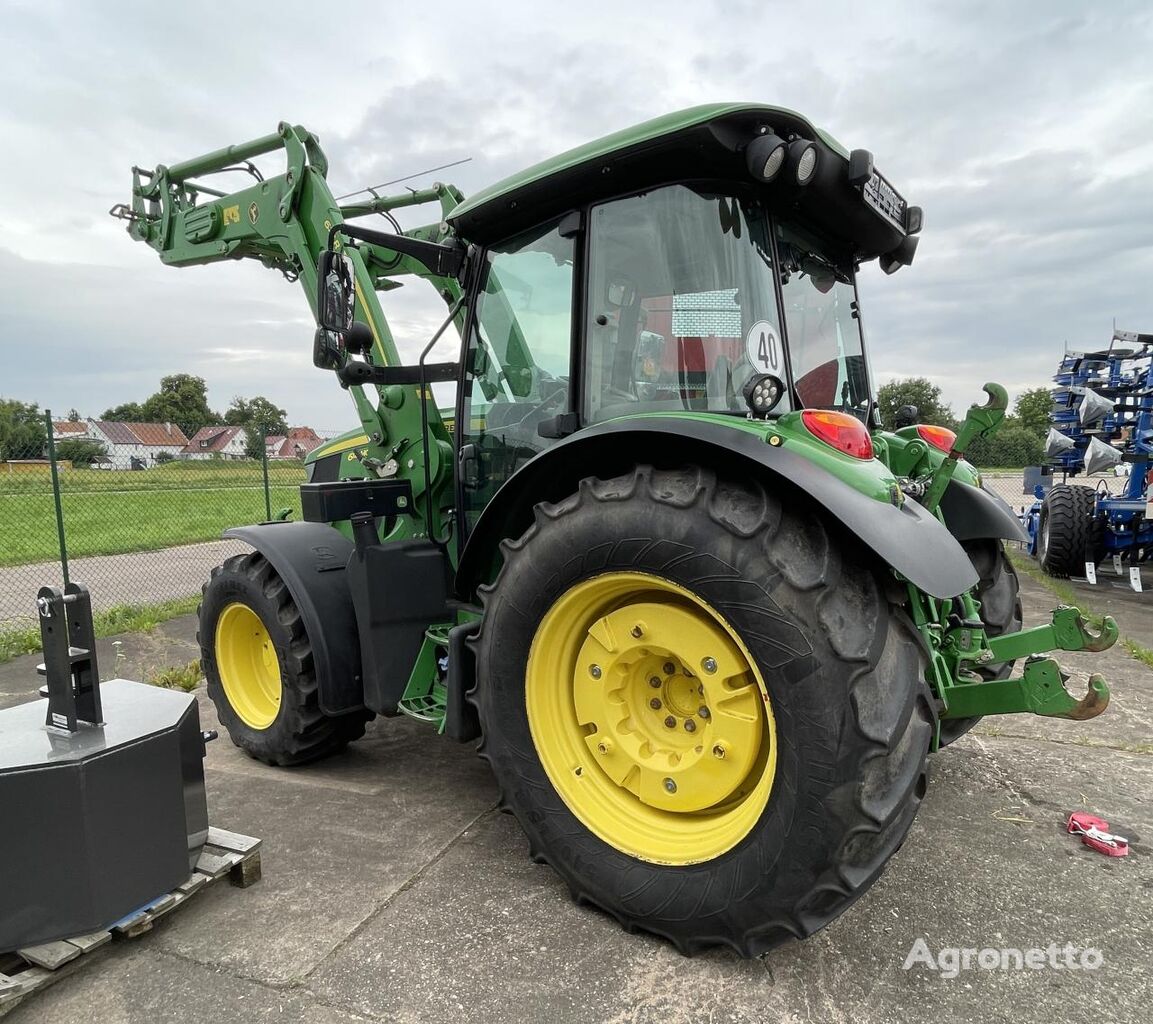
518,361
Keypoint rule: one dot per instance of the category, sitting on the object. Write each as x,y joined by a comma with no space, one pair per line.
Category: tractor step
426,696
27,971
427,707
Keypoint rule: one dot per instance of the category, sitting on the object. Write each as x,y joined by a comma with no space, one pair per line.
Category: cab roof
697,144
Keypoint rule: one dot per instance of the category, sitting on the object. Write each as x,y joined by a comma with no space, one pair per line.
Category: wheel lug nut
719,751
654,682
704,712
671,722
655,703
670,786
709,665
690,725
595,671
638,631
605,746
670,668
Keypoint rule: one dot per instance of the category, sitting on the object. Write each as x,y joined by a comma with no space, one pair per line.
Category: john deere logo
253,212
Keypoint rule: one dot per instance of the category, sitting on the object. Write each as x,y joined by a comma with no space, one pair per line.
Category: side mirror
328,352
905,416
335,297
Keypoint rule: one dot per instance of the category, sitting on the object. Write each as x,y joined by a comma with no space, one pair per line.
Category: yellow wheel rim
650,718
249,670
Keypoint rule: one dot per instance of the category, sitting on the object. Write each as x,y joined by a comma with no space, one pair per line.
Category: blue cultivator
1102,418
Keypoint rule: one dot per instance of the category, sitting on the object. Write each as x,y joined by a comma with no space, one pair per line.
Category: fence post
56,496
264,464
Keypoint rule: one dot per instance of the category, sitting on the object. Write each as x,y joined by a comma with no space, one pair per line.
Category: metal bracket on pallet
69,642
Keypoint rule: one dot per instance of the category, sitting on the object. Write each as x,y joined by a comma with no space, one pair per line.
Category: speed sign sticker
763,347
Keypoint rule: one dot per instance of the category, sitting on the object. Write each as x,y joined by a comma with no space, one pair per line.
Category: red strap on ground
1095,834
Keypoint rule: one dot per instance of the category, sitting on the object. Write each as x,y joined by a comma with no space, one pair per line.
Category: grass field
113,512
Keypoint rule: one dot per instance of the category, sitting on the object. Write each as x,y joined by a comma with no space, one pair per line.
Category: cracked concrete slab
136,982
336,849
987,864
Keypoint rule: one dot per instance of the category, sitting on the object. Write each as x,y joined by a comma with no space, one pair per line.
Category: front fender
311,558
908,539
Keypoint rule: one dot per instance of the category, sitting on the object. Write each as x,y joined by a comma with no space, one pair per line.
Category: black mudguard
973,513
908,539
311,558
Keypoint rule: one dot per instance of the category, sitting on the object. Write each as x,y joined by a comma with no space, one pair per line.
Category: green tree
259,418
127,412
73,416
22,433
163,457
183,400
918,391
257,415
80,451
1032,409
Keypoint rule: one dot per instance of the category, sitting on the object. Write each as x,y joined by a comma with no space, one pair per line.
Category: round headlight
804,155
762,392
765,156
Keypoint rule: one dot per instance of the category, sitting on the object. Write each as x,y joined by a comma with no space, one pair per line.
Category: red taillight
839,430
938,437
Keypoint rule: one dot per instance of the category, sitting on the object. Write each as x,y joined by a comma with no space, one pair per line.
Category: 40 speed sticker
763,347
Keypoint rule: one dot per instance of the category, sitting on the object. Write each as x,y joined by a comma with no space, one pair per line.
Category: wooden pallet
28,971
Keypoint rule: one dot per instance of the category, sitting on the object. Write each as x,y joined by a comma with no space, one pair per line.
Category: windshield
681,307
824,331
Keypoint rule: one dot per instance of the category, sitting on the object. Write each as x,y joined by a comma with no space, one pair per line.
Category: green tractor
708,619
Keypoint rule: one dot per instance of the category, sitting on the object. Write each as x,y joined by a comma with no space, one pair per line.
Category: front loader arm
284,221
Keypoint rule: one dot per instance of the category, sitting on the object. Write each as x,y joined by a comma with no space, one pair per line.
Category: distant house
135,445
70,430
217,442
296,444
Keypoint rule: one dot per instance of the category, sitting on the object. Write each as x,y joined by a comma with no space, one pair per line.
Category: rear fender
908,539
311,558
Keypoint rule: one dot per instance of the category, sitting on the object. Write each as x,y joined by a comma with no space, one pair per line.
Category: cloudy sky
1025,130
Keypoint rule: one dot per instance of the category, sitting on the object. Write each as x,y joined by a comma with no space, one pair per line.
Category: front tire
812,682
258,664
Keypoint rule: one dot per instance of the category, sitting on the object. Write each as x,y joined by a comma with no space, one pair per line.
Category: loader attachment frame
286,221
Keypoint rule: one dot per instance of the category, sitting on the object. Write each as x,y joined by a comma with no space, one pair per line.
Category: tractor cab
704,263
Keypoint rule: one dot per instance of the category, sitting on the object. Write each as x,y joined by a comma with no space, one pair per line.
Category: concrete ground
394,891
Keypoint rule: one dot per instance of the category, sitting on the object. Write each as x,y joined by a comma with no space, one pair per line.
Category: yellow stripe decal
340,446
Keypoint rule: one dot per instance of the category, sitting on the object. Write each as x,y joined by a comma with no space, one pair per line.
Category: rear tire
1001,612
269,704
848,716
1067,536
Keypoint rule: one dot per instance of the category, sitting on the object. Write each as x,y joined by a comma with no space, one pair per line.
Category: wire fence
1010,484
139,523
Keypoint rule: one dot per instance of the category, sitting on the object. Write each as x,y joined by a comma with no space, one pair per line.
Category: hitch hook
1092,704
